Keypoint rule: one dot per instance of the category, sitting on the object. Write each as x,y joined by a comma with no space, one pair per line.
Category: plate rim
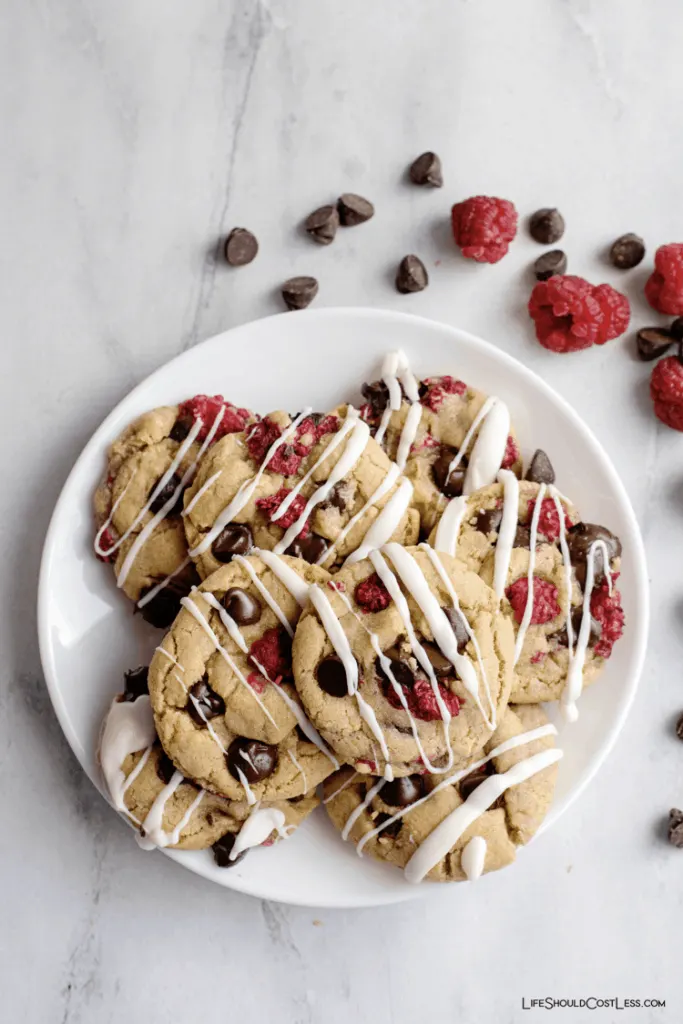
640,628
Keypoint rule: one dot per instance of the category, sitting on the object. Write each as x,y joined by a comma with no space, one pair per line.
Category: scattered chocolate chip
411,276
679,727
165,768
340,497
653,342
181,428
311,548
162,609
331,676
254,759
135,683
222,850
472,781
676,828
377,394
426,170
390,830
488,520
322,224
206,703
562,636
241,606
627,251
540,469
354,209
399,667
450,483
457,624
522,538
165,494
579,540
404,791
439,662
676,328
240,247
299,292
546,226
235,539
549,264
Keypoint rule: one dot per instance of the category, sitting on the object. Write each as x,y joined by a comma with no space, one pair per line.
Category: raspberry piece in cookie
372,595
483,227
271,504
544,608
273,653
607,610
207,408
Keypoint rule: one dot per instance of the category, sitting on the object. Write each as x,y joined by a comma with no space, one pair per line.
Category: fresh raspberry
512,453
207,408
421,700
548,520
570,314
664,288
270,505
261,436
372,595
107,541
606,608
273,652
437,388
545,607
666,391
483,227
257,682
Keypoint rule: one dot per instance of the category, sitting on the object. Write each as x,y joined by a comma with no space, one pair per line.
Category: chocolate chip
181,428
340,497
354,209
235,539
165,605
404,791
580,538
164,495
627,251
241,606
206,704
439,662
488,520
322,224
676,328
457,624
254,759
390,830
522,538
676,828
562,636
377,394
222,850
165,768
679,727
426,170
311,548
411,276
240,247
549,264
331,676
450,483
540,469
399,667
299,292
546,226
653,342
135,683
472,781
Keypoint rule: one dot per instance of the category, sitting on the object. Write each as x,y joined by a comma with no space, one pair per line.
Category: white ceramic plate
88,636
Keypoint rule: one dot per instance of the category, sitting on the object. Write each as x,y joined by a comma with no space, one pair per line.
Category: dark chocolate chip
241,606
488,520
411,275
340,496
165,768
181,428
354,209
562,637
390,830
540,469
165,494
472,781
679,727
165,605
311,548
331,676
426,170
322,224
546,226
457,624
627,251
240,247
676,828
549,264
235,539
676,328
653,342
254,759
439,662
399,667
206,703
222,850
377,394
450,483
404,791
136,683
522,537
579,540
299,292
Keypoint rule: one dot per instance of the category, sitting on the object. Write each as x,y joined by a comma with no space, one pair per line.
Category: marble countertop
137,133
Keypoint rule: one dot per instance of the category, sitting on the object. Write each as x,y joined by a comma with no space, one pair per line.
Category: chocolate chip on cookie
439,662
580,538
540,469
331,676
165,768
165,494
241,606
310,548
457,624
562,636
162,609
135,683
450,482
222,850
181,428
522,538
255,760
472,781
404,791
235,539
488,520
377,394
389,831
399,667
204,703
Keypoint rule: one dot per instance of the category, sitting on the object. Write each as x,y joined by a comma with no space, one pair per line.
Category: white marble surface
134,134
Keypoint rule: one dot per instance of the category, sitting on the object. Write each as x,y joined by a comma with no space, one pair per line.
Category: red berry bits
545,606
271,504
570,314
548,519
421,700
666,391
606,609
261,436
372,595
257,682
106,543
664,287
512,453
273,652
207,408
436,388
483,227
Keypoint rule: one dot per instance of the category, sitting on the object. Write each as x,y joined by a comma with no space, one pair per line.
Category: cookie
456,828
447,437
403,662
169,810
492,532
138,505
317,487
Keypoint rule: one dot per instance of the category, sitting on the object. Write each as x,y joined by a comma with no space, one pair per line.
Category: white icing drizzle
506,533
529,607
351,778
233,629
153,832
248,487
383,424
386,485
396,371
347,425
488,450
307,727
251,799
297,587
151,594
448,530
566,558
473,858
129,727
385,524
408,434
200,711
99,550
201,492
356,813
264,592
447,832
297,765
574,684
167,654
462,451
258,826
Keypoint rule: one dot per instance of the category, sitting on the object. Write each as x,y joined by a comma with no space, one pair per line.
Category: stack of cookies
363,608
